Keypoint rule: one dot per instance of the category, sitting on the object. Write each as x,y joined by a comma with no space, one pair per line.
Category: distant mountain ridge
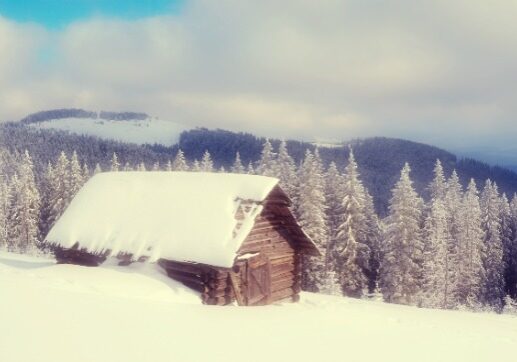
380,159
81,113
131,127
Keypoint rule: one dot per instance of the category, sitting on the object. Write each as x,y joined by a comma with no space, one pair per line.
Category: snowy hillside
69,313
150,130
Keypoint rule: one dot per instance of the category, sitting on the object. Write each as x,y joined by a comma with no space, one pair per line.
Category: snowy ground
68,313
133,131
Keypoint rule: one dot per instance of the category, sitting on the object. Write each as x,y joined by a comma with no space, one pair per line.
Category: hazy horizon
436,72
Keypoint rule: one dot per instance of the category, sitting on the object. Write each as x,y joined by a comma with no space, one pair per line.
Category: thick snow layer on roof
183,216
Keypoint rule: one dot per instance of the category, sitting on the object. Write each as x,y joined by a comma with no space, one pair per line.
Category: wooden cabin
257,263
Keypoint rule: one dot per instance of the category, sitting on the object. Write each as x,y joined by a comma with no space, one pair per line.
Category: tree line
458,250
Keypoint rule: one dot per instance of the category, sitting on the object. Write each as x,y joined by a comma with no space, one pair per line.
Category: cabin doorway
258,277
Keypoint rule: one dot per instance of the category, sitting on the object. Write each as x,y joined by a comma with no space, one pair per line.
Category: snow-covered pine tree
4,211
221,170
46,188
438,186
168,166
127,167
141,167
311,211
351,252
97,169
267,163
512,284
453,203
250,170
206,165
493,290
180,163
24,208
237,166
507,240
373,241
470,250
436,288
333,196
75,177
156,166
115,164
86,173
331,284
196,167
58,190
401,266
286,172
14,218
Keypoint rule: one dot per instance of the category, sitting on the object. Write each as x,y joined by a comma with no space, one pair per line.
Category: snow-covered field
69,313
150,131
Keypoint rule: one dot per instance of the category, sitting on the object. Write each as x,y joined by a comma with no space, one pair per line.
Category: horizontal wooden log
188,267
213,293
195,286
281,258
287,267
186,278
283,284
281,294
217,300
282,277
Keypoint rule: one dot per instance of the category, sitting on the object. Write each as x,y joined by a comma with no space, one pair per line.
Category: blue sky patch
55,14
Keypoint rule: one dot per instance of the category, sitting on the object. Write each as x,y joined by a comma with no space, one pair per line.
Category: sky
442,72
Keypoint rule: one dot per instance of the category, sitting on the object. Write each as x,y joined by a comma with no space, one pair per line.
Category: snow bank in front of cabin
184,216
139,281
64,313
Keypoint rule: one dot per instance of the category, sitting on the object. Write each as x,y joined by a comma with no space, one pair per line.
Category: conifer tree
24,208
470,250
115,164
352,253
401,266
168,166
4,212
141,167
196,167
438,186
127,167
311,211
86,173
286,172
75,177
493,290
453,203
58,190
156,166
507,240
97,169
46,200
512,263
333,195
180,163
250,170
436,288
207,165
237,164
267,163
373,241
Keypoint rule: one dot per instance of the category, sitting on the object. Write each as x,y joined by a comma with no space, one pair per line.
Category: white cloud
335,69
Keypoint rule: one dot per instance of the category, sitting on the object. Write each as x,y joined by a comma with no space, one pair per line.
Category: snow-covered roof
184,216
